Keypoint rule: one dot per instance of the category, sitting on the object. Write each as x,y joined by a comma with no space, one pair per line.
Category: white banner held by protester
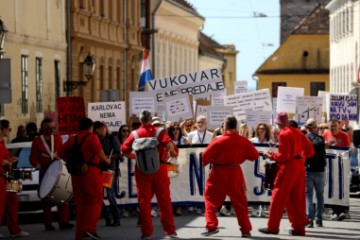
141,101
216,115
112,113
199,84
178,108
286,99
342,106
308,107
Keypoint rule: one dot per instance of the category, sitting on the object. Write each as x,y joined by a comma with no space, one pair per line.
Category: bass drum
56,185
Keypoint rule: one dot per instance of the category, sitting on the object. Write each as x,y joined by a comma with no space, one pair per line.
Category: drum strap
51,153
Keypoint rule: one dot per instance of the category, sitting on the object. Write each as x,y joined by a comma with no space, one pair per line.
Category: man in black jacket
315,175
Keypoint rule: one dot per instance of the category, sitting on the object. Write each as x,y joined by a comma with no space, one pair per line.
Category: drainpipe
68,42
125,51
153,36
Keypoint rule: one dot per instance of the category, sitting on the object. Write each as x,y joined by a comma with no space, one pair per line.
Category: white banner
216,115
139,101
286,99
189,186
341,106
112,113
308,107
199,84
178,108
240,87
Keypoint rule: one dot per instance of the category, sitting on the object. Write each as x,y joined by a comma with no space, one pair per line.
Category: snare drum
21,173
13,186
56,185
271,170
108,177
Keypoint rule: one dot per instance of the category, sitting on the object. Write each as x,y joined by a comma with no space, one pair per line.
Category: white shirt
196,137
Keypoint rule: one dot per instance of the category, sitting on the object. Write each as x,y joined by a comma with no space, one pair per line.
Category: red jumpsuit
226,153
149,184
88,189
39,155
290,183
4,155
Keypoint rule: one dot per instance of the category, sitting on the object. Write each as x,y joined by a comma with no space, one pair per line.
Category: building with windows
344,45
302,60
36,47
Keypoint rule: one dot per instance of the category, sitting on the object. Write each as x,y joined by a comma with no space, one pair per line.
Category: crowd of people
300,156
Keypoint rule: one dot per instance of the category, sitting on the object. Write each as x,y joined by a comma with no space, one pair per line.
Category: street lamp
88,68
3,32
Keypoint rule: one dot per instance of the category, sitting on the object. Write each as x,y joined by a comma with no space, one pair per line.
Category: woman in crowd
244,130
187,126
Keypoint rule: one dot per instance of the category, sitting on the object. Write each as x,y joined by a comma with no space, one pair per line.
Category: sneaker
20,234
347,215
199,211
246,235
210,232
49,227
93,236
191,209
319,223
154,213
341,217
334,217
171,236
310,224
293,233
125,214
266,231
145,237
224,211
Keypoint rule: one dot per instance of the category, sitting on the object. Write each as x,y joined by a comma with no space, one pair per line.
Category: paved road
190,226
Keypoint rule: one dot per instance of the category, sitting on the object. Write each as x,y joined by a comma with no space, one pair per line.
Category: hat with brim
282,118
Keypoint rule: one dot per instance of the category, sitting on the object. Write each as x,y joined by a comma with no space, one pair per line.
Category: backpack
147,154
75,164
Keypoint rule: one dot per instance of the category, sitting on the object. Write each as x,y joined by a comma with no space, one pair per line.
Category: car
27,175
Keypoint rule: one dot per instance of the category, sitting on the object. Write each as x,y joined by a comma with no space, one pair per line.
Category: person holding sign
226,176
289,186
44,150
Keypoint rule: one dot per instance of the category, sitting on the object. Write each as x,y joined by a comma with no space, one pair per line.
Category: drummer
8,200
289,186
43,152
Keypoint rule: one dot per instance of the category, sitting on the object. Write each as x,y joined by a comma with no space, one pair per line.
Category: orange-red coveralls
87,189
39,155
226,153
290,183
4,155
149,184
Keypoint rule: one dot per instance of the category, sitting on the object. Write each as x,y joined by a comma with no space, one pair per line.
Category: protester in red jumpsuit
88,189
41,156
290,183
226,153
9,200
157,183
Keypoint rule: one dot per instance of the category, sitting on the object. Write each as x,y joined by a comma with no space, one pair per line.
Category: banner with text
308,107
178,108
139,101
341,106
199,84
189,185
70,111
286,99
112,113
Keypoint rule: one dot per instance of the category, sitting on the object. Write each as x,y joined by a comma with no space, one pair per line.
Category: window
24,84
102,8
1,109
275,85
39,83
57,78
315,87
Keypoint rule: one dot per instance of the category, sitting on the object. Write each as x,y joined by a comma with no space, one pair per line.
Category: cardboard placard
112,113
141,101
240,87
216,115
286,100
70,111
341,106
308,107
178,108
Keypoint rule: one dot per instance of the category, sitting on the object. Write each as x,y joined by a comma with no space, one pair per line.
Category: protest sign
141,101
322,94
308,107
286,99
216,115
217,99
70,111
253,118
178,108
274,104
199,84
342,106
257,101
112,113
240,87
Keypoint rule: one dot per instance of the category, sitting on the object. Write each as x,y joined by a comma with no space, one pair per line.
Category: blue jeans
315,180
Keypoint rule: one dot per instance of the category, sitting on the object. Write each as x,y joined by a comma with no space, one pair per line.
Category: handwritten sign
286,100
253,118
342,106
70,111
178,108
199,84
142,101
216,115
217,99
240,87
112,113
308,107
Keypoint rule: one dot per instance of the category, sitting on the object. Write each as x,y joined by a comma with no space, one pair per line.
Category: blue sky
233,22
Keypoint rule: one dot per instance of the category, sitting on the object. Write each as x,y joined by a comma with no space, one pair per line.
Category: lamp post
3,32
89,69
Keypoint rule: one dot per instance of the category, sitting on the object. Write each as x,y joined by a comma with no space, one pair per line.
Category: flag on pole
145,74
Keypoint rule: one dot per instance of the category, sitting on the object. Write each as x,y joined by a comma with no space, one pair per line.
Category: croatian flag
145,74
